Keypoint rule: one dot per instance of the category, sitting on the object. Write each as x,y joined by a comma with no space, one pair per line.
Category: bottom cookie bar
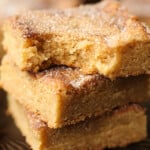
116,129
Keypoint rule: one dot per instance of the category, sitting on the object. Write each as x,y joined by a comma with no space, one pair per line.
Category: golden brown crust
102,38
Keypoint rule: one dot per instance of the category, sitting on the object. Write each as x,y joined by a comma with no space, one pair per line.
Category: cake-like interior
117,129
63,95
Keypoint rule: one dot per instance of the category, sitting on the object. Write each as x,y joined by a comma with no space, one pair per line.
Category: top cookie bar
102,38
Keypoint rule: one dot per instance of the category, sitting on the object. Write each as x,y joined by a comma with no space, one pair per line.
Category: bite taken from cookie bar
101,38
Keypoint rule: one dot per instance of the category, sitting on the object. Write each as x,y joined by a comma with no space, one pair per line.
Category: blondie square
63,95
117,129
102,38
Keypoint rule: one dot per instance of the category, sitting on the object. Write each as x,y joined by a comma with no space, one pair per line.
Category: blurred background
8,131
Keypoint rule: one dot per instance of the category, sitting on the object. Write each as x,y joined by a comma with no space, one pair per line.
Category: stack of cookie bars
75,77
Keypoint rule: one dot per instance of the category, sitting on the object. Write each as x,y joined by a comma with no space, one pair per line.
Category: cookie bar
117,129
63,95
102,38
